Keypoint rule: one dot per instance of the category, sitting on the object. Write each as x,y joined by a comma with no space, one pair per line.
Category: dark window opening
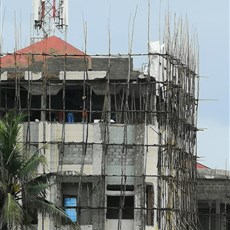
83,102
120,187
97,106
150,205
7,97
114,206
35,108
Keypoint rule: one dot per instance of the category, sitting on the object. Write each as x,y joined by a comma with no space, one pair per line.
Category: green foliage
12,213
22,189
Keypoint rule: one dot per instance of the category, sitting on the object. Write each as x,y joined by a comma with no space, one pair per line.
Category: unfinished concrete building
123,142
213,199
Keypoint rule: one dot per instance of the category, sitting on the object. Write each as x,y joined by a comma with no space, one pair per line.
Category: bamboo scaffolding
168,106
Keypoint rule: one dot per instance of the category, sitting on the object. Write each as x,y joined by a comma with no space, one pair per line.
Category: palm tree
22,189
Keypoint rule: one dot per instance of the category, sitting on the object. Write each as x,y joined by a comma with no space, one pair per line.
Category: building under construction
213,198
122,141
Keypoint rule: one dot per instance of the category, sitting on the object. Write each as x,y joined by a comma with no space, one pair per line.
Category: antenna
50,14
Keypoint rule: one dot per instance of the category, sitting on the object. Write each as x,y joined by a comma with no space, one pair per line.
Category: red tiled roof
201,166
50,46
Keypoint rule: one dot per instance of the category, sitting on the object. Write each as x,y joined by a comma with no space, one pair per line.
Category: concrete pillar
99,193
217,214
139,186
98,220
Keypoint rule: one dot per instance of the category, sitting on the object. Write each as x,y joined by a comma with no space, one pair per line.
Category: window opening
113,207
70,207
150,204
114,201
77,208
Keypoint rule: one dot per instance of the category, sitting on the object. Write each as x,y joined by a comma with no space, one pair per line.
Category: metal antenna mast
49,15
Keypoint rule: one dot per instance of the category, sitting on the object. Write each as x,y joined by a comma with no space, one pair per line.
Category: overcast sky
210,17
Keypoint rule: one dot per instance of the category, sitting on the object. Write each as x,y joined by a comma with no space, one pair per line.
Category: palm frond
21,188
14,153
48,207
28,218
10,127
44,178
32,164
38,189
3,186
12,212
9,147
3,192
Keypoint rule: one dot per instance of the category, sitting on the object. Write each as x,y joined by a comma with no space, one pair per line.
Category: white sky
210,17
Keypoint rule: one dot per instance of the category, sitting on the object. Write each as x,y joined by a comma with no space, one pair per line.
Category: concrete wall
125,224
117,154
213,201
118,70
78,154
119,67
151,163
117,134
213,189
117,158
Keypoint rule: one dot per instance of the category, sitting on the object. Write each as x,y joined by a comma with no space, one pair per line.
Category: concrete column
217,214
99,193
139,187
44,95
98,219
